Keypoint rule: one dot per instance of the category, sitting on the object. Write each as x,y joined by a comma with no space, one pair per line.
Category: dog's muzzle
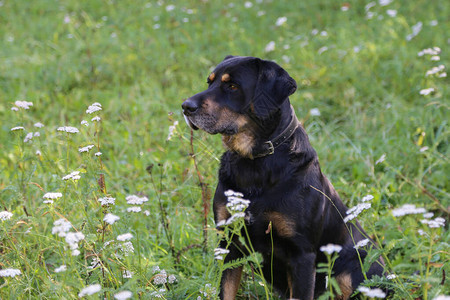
190,107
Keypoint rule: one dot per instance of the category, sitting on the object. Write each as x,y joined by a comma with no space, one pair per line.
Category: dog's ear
228,57
273,87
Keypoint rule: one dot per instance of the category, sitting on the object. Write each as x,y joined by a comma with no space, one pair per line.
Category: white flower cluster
90,290
436,223
86,148
124,237
331,248
73,238
68,129
134,209
123,295
415,31
209,292
430,51
220,252
127,248
438,71
110,218
136,200
61,227
425,92
127,274
75,175
61,268
361,243
106,201
408,209
17,128
236,206
10,273
5,215
51,196
38,125
356,210
21,104
94,107
162,277
372,293
172,130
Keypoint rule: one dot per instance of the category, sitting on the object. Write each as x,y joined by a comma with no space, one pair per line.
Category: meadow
105,191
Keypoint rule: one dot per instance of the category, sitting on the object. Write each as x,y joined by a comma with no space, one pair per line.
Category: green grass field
358,63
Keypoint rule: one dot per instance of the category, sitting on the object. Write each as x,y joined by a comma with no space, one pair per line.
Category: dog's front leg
231,277
302,276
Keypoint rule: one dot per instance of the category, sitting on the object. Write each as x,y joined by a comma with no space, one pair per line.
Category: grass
139,60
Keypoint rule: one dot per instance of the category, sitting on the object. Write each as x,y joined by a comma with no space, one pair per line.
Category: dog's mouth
189,122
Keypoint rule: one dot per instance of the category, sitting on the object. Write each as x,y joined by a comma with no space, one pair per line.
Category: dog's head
243,98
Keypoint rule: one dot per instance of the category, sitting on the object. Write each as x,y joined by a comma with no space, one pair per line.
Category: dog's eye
233,87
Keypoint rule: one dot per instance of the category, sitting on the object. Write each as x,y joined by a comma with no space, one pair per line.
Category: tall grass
362,77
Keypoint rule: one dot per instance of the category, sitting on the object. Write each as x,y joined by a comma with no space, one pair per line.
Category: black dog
271,161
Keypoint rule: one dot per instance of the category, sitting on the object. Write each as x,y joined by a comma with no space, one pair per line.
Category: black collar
268,148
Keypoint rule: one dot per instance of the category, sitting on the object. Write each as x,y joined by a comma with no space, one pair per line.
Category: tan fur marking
226,77
211,76
283,225
289,281
222,213
231,283
345,284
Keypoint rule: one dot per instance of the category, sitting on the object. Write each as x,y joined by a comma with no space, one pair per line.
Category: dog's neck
253,142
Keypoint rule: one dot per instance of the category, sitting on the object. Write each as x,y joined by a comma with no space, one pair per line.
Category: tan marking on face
222,213
231,283
284,226
211,76
344,281
226,77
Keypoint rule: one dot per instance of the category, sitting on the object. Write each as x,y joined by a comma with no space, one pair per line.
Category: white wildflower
436,223
38,153
230,193
23,104
28,137
442,297
330,248
235,217
10,273
391,12
434,23
372,293
98,154
171,130
52,196
381,159
107,243
280,21
68,129
5,215
85,123
248,4
127,274
170,7
73,238
134,209
37,133
435,71
415,31
426,91
75,175
48,201
421,232
172,279
17,128
345,8
391,276
90,290
105,201
356,210
428,215
408,209
385,2
61,227
110,218
123,295
96,119
136,200
322,50
423,149
93,108
435,58
220,252
160,278
14,108
361,243
124,237
86,148
314,112
270,47
367,198
155,269
38,125
147,213
61,268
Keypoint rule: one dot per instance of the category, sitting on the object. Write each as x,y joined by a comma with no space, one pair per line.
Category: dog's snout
190,107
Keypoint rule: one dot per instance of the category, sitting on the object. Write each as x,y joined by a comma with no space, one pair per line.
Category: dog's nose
190,107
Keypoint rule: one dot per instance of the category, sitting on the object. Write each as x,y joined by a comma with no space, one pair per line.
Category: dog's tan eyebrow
226,77
211,77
